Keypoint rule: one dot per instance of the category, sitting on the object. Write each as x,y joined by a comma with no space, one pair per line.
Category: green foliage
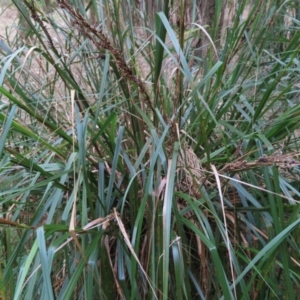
134,165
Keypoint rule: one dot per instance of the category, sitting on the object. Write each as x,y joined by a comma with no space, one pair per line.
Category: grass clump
149,155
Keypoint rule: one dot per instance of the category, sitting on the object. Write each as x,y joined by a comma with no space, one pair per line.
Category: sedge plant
150,153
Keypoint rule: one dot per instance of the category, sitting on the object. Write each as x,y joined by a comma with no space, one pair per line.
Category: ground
9,21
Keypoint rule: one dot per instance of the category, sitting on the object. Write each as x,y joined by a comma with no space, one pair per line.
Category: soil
9,21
